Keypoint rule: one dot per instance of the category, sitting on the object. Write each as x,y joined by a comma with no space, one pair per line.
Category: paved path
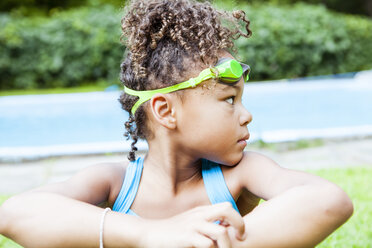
15,178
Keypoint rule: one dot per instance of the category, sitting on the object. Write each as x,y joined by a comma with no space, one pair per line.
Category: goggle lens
231,71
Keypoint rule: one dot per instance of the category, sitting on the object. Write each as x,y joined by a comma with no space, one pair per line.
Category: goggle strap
213,72
147,94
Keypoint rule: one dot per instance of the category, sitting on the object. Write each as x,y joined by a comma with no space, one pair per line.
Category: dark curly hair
161,36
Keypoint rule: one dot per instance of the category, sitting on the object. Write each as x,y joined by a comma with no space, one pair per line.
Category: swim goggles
228,71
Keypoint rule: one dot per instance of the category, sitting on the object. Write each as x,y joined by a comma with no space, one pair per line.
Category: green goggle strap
230,69
147,94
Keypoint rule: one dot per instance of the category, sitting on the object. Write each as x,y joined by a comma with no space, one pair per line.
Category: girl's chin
233,161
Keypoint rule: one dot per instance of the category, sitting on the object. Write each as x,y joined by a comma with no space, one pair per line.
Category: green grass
287,146
356,233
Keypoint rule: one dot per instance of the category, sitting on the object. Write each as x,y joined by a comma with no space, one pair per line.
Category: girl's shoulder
97,184
111,175
264,178
251,165
255,163
244,178
254,173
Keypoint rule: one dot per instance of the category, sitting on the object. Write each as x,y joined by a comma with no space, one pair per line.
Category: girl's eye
230,100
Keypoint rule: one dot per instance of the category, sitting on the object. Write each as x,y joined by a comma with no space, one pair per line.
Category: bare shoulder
253,164
95,184
265,178
107,177
248,176
245,178
254,159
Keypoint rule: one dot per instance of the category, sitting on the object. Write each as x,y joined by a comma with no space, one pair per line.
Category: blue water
281,110
42,120
320,105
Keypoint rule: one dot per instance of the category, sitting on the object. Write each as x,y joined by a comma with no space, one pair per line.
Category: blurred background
310,92
313,57
48,44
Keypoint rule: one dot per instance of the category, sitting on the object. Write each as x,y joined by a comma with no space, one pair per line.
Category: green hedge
82,45
304,40
65,50
360,7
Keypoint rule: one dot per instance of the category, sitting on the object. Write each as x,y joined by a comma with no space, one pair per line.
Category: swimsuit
214,183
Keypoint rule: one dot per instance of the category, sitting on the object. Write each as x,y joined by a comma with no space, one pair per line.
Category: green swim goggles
228,71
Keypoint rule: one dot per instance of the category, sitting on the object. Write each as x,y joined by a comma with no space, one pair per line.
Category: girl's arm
65,215
300,209
42,219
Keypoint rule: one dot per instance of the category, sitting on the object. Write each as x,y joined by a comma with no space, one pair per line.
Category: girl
183,90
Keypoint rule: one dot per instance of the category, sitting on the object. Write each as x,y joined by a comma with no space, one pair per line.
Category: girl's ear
162,107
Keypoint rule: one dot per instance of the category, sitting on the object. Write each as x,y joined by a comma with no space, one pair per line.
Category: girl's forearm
49,220
39,219
300,217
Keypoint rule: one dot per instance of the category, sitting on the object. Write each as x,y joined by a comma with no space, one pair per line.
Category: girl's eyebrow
236,87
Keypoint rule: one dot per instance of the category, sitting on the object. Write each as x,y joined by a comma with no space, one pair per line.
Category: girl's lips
243,141
245,138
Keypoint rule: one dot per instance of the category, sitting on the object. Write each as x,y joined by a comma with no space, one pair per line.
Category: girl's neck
171,167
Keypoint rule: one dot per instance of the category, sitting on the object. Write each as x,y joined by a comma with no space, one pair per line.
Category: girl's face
213,122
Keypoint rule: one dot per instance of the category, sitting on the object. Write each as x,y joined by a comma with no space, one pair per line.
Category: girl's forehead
212,86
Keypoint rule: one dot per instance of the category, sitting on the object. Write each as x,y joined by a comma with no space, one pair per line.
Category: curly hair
161,36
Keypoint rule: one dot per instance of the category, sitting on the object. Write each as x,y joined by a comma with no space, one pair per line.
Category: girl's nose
245,117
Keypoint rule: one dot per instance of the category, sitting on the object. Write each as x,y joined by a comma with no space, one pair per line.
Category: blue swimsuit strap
215,184
130,187
213,178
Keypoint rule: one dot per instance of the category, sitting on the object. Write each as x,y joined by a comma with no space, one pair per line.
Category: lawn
356,233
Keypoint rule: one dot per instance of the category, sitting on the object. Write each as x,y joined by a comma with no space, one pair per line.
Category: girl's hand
196,228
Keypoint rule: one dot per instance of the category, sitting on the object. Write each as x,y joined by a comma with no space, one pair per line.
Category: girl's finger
202,241
224,242
226,214
217,233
